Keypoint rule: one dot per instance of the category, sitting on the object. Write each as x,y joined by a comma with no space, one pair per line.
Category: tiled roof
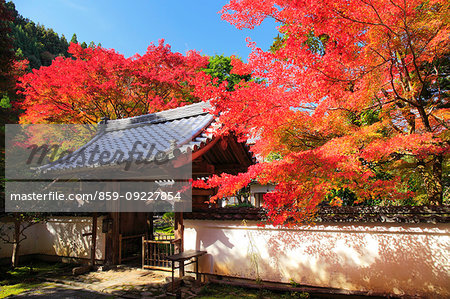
229,213
400,214
189,127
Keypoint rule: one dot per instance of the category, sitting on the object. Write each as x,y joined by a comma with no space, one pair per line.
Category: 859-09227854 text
98,195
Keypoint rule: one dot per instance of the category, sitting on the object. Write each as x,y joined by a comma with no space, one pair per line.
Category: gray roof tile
188,126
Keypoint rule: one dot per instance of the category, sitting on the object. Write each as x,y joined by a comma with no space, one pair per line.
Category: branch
441,121
395,90
5,237
364,22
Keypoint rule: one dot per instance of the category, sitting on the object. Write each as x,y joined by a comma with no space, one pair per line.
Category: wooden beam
196,191
230,168
238,151
202,167
183,159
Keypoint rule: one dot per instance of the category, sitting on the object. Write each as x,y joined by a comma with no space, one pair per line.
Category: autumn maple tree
353,95
98,83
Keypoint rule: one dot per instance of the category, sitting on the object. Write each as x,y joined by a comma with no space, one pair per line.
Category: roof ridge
161,116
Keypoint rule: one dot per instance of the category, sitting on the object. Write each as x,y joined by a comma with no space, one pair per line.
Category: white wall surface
412,259
61,236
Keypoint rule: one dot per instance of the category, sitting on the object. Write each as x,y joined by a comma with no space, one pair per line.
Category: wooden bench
181,258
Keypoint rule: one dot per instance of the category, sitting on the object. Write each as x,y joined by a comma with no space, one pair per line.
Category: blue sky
130,26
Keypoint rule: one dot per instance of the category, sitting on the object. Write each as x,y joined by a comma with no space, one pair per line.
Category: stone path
134,283
122,280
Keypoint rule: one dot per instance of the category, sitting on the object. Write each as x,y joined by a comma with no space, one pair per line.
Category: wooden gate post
112,236
179,229
94,239
143,251
150,219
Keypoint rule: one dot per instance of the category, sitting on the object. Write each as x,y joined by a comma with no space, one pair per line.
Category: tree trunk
433,179
16,245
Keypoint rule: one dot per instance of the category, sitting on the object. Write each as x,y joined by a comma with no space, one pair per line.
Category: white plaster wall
391,258
61,236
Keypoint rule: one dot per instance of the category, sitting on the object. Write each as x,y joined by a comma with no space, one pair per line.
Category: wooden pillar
144,244
179,229
150,218
108,243
94,239
179,234
112,236
115,237
258,197
116,226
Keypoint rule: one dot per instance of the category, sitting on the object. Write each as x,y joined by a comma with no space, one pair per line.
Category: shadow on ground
62,291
